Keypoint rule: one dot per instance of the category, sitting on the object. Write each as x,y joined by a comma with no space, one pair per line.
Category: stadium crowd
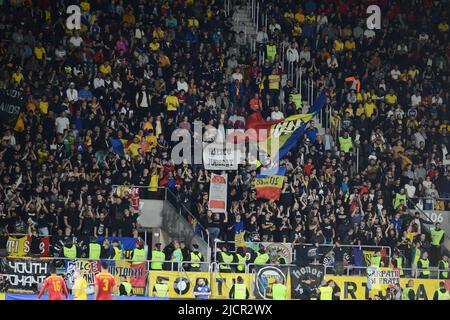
138,70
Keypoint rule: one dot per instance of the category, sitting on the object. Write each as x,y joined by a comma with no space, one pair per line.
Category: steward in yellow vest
444,265
261,256
345,143
279,290
70,250
125,288
408,292
241,258
225,258
442,293
239,290
195,257
94,249
326,292
139,253
424,266
117,254
160,289
158,258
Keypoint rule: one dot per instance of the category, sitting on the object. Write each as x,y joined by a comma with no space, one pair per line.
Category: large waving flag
269,183
277,139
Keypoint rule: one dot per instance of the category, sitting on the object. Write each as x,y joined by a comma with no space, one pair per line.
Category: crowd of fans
138,70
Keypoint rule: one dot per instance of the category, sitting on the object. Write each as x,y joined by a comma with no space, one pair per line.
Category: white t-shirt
410,190
62,123
237,76
76,41
182,86
277,115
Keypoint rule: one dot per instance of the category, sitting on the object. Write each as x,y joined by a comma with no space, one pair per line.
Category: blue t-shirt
205,288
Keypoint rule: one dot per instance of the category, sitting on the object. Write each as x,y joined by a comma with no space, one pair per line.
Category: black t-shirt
101,227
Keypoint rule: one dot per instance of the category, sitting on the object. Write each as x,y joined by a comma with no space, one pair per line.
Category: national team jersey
105,283
56,286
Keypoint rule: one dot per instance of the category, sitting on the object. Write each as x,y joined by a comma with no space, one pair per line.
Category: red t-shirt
105,283
56,286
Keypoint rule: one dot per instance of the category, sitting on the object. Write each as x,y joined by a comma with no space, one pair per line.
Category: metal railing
432,201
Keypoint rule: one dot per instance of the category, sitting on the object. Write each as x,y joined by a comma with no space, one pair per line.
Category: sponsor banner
218,193
20,246
356,288
382,278
24,274
11,104
219,156
266,276
272,249
136,274
181,285
313,273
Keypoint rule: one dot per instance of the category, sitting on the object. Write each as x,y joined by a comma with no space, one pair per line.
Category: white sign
219,156
218,193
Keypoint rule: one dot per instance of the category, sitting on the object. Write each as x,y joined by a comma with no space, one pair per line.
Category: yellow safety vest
161,289
157,256
405,293
326,293
425,265
262,258
240,291
117,253
127,287
271,52
70,253
345,144
297,99
227,258
375,261
196,257
94,251
436,236
242,260
443,296
399,265
445,273
138,255
279,291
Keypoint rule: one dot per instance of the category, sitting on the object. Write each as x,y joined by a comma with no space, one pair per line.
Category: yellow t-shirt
18,77
105,69
369,108
172,103
134,148
154,46
310,19
359,111
338,45
147,126
154,181
39,52
43,106
158,34
85,6
391,99
80,289
300,17
350,45
289,15
193,23
274,82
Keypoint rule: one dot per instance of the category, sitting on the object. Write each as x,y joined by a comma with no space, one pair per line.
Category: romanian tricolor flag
277,139
269,183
